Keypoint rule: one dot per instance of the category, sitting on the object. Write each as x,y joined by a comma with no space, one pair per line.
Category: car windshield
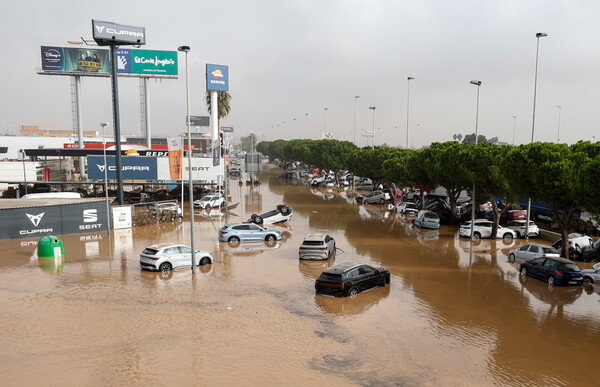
430,216
568,267
149,251
549,250
206,198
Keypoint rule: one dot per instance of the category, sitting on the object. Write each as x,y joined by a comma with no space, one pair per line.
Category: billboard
217,77
75,60
105,33
146,62
54,220
132,168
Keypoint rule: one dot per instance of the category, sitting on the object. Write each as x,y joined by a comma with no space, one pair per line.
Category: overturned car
281,214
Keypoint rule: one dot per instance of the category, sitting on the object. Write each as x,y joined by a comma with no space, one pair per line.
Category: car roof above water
315,237
342,268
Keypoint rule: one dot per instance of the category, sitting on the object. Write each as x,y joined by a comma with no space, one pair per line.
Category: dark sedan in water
556,271
348,279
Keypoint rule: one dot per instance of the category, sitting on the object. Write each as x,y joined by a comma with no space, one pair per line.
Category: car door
353,277
255,233
185,254
533,252
535,267
546,269
172,255
368,277
522,253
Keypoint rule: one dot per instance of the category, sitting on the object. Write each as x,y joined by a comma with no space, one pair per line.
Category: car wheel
511,258
234,239
165,266
353,292
507,237
382,282
270,238
518,234
524,271
222,205
551,280
204,261
476,236
381,201
258,219
587,281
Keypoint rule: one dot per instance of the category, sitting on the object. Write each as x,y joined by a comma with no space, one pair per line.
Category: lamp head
478,83
372,107
184,48
541,34
409,78
103,124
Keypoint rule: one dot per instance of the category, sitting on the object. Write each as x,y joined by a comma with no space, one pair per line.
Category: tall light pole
514,128
373,143
325,120
186,49
537,51
408,79
478,84
558,130
305,122
356,97
103,125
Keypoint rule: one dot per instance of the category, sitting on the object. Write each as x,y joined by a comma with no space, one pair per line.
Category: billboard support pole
77,119
116,121
145,110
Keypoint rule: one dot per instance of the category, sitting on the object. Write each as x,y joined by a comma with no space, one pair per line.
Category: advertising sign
132,168
121,217
76,60
54,220
202,169
105,33
217,77
175,155
146,62
199,120
227,129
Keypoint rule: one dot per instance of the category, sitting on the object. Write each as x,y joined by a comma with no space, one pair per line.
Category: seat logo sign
90,216
35,219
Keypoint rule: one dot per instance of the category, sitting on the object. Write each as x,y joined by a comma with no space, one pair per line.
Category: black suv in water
348,279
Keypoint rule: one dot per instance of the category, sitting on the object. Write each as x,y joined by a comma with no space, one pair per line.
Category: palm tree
224,99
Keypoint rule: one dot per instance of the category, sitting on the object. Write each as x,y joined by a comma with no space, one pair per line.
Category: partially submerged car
165,257
408,208
349,279
555,271
235,233
281,214
532,251
483,229
577,242
210,201
427,219
317,247
520,226
167,211
591,276
590,253
376,197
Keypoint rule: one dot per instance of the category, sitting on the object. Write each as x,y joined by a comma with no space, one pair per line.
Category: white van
53,195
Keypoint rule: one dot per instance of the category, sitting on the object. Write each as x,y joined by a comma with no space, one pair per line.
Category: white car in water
166,257
210,201
483,229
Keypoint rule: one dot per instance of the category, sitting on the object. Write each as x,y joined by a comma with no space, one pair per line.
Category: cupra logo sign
100,28
35,219
217,74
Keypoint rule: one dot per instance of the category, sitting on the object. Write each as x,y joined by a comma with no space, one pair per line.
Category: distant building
34,130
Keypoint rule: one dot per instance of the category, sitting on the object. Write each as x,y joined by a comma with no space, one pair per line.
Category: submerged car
483,229
408,208
520,226
591,276
377,197
577,242
247,232
348,279
590,253
555,271
210,201
167,211
317,247
165,257
427,219
281,214
532,251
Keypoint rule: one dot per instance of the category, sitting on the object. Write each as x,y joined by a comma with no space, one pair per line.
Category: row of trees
560,175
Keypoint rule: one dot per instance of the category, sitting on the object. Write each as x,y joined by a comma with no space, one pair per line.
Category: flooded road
454,313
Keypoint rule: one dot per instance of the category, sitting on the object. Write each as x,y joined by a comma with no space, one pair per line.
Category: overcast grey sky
290,58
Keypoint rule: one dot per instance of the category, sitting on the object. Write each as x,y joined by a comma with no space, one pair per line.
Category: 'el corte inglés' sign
146,62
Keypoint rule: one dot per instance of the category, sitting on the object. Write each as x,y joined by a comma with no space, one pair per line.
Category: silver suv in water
317,246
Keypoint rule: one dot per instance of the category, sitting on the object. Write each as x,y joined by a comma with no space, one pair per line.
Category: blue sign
133,168
217,77
124,61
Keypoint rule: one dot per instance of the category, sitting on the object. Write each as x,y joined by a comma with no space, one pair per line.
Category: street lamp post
407,105
356,97
514,128
325,120
478,84
186,49
537,51
373,143
558,130
305,122
103,124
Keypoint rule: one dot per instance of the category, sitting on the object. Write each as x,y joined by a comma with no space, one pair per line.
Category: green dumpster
50,246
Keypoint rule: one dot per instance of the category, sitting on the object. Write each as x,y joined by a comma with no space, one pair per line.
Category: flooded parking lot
455,313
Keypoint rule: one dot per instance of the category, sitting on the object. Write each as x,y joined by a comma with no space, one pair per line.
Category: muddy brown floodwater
454,314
